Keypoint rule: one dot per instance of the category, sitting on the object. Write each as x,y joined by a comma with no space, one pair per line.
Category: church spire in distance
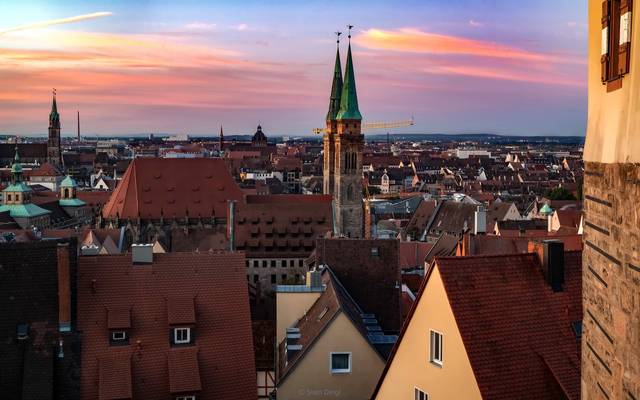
54,117
336,86
349,98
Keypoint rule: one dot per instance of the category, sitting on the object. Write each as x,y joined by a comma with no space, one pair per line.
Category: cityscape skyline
161,68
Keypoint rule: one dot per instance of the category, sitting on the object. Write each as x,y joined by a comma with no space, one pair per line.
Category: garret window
340,363
182,320
435,348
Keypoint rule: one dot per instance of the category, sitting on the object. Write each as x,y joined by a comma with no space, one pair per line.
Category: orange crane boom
369,126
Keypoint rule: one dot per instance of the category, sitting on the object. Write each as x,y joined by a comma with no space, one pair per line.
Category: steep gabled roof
214,282
333,301
516,331
155,187
511,321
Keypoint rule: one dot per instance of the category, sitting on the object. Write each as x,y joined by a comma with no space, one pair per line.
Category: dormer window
182,320
119,323
182,335
23,332
118,337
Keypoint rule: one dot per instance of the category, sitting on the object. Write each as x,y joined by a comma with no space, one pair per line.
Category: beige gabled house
491,327
329,348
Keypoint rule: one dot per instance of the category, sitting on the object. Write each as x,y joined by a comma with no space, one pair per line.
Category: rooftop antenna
78,126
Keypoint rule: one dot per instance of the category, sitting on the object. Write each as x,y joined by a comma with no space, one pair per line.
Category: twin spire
343,103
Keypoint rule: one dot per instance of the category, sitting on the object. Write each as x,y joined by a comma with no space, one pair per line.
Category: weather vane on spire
338,33
54,91
349,27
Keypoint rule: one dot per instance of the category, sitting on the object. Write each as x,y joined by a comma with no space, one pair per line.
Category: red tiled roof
511,321
184,372
94,198
412,254
288,222
119,317
114,378
181,310
223,337
155,187
45,169
516,331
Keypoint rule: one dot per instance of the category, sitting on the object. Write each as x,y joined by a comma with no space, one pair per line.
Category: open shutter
624,49
604,53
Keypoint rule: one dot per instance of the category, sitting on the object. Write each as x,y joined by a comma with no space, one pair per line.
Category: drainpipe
231,225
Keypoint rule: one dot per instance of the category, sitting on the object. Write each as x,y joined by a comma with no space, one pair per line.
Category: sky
188,67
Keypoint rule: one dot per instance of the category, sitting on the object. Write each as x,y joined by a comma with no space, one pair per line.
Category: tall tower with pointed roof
349,143
331,130
221,140
54,151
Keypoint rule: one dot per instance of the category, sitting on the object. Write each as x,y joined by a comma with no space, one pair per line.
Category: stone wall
611,282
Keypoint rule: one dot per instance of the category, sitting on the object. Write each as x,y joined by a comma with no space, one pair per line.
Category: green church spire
54,117
336,86
349,98
16,167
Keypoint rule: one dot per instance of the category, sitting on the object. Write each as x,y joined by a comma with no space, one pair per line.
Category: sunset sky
456,66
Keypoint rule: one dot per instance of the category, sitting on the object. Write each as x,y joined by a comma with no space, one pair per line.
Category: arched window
66,193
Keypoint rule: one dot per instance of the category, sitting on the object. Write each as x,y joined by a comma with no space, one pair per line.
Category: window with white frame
118,336
420,395
182,335
340,363
435,355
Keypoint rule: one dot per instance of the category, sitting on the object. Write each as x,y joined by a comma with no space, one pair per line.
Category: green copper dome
68,182
545,209
349,98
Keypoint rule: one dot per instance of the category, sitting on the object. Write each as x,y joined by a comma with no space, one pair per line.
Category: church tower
331,130
54,151
349,143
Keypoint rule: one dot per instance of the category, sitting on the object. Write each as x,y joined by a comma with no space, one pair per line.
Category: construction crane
369,126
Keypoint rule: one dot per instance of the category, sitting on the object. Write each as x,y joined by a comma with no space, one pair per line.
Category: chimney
314,279
64,288
480,221
231,225
91,250
553,263
142,254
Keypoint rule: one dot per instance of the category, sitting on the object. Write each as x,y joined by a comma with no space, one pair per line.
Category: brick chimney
142,254
64,288
551,256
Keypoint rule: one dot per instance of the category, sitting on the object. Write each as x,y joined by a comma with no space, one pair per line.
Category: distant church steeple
349,143
332,128
54,151
221,140
349,98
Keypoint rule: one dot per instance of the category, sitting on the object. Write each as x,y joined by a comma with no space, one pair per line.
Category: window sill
340,371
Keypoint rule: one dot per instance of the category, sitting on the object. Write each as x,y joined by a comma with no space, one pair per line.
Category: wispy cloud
242,27
417,41
476,24
60,21
200,26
